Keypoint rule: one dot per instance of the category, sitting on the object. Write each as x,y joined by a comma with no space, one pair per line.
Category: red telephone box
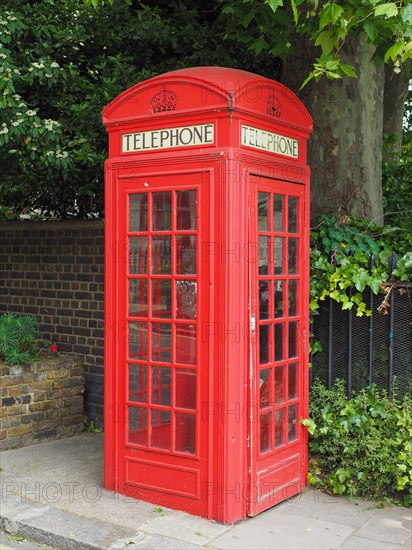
206,342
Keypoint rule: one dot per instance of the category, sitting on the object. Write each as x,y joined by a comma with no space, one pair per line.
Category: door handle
252,324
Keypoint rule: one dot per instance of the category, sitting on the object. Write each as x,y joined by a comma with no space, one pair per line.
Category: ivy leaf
390,10
274,4
361,279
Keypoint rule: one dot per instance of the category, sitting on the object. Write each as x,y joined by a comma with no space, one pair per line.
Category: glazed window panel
186,210
161,342
137,425
265,432
293,219
161,430
185,397
137,338
162,255
186,344
161,386
279,212
263,255
279,427
293,259
185,436
138,383
162,298
162,211
137,255
138,210
186,254
138,297
278,247
265,388
263,207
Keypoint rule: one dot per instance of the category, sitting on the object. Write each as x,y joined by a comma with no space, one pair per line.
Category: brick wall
54,270
41,401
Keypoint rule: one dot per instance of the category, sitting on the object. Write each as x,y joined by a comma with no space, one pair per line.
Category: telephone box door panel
162,374
278,453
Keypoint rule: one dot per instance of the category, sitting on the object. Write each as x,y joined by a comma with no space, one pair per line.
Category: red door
162,373
278,446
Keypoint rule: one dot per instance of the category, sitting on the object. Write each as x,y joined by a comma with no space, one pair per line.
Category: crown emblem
273,106
163,101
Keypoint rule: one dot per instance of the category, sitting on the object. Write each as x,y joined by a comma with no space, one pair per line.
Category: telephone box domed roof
204,89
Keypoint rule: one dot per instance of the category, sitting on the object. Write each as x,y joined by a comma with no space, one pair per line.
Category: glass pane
186,209
293,422
161,386
162,211
293,381
161,432
137,339
279,302
263,255
264,287
138,297
186,254
293,256
293,349
138,383
138,212
279,384
265,383
185,389
278,209
293,298
264,433
279,341
185,433
278,254
263,199
186,299
186,344
161,342
137,255
279,431
162,298
137,428
162,255
263,344
293,215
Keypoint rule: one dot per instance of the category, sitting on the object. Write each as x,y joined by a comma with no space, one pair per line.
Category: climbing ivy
349,256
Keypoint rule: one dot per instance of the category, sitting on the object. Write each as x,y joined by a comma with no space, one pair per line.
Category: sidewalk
52,493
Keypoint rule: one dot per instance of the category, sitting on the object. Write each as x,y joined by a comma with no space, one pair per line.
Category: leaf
274,4
394,51
326,40
295,11
371,31
330,14
348,70
389,10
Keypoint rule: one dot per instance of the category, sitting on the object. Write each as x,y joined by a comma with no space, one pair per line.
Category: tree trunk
345,151
395,94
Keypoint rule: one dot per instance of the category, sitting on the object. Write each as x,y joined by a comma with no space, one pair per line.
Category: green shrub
18,338
361,446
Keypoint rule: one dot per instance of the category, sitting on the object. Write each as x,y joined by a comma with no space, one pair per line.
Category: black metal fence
366,350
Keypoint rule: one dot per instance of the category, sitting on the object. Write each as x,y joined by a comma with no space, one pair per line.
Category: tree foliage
62,62
328,25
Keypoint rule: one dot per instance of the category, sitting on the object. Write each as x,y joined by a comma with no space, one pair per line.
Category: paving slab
274,530
359,543
388,525
317,505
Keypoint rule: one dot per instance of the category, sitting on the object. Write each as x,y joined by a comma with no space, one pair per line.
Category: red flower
53,347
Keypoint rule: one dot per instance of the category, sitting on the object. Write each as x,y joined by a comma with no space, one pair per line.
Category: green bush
18,339
361,446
